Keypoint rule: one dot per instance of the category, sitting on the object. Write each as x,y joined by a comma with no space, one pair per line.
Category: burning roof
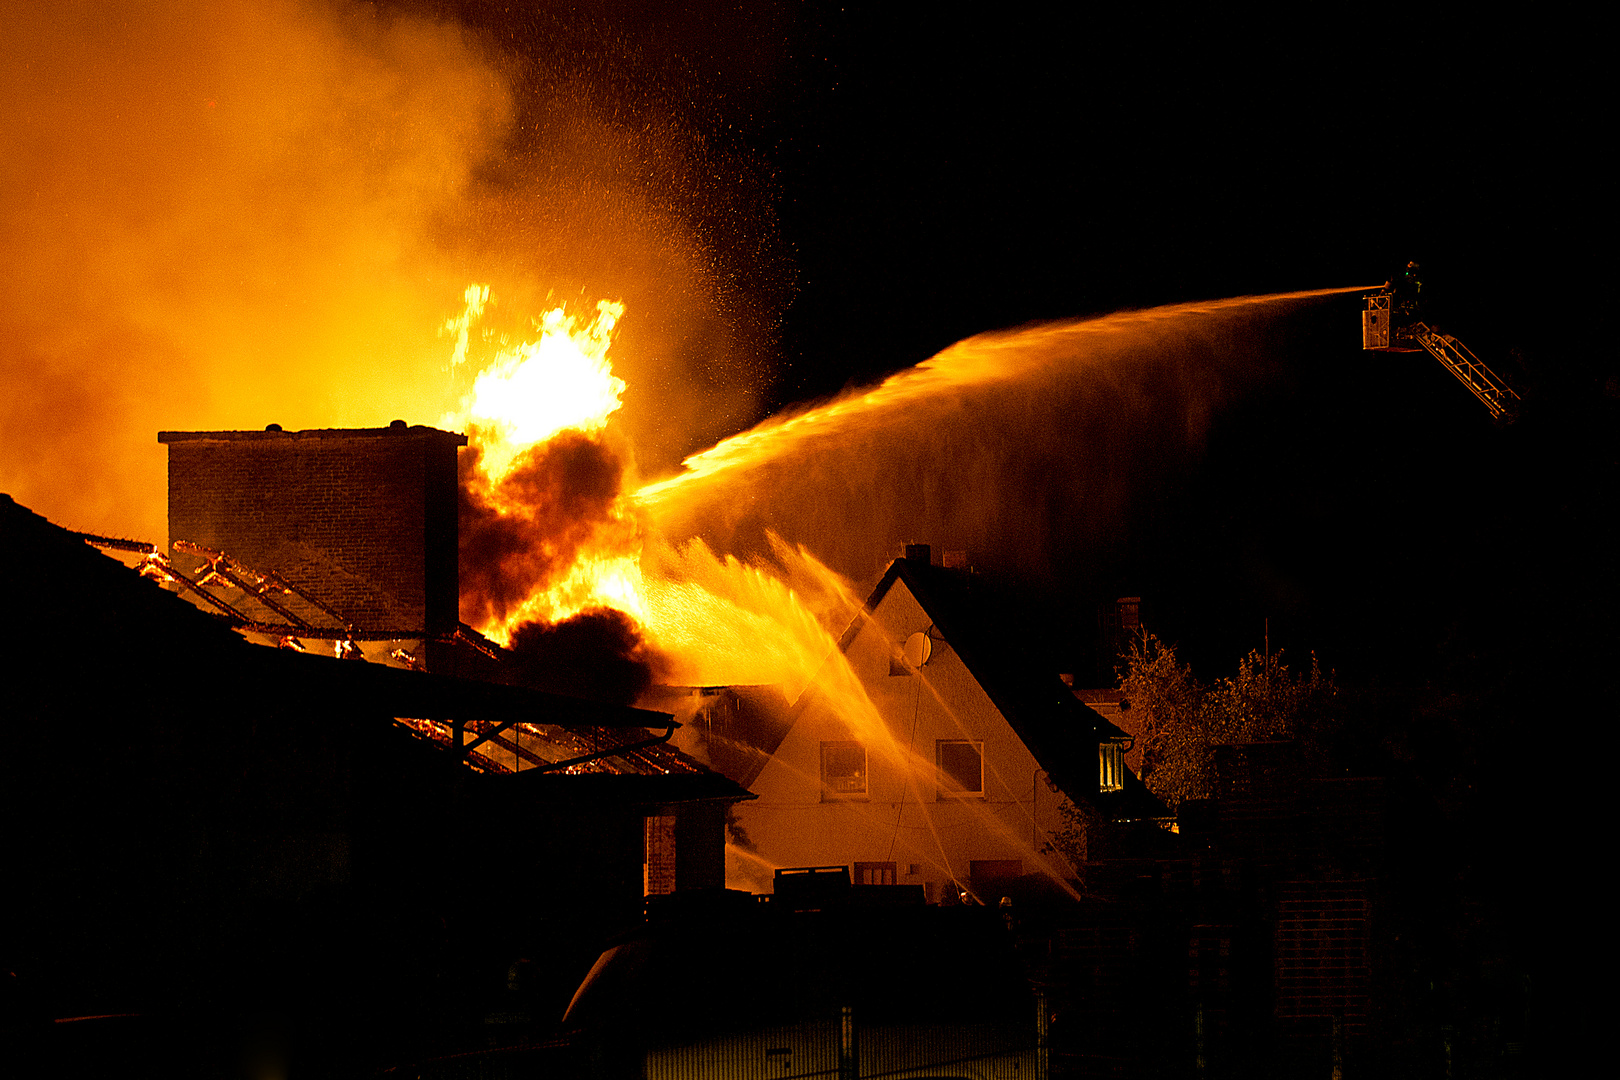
72,594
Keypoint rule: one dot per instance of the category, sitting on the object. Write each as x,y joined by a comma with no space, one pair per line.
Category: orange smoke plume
221,215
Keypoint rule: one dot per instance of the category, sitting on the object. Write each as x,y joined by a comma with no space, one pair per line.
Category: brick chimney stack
362,518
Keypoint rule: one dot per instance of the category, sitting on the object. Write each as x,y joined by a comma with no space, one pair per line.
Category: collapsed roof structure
170,781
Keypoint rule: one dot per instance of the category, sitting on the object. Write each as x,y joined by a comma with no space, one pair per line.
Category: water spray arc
989,358
1021,445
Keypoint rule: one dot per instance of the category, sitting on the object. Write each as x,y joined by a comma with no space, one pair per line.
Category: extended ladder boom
1387,326
1484,383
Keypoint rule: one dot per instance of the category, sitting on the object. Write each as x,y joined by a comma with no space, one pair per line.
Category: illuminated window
843,769
961,766
1111,767
874,873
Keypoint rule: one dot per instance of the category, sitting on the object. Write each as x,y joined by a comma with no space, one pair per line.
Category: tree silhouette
1184,719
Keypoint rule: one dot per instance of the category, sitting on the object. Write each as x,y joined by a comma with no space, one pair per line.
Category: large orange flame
535,389
718,620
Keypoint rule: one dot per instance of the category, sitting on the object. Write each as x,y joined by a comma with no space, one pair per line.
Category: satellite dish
917,649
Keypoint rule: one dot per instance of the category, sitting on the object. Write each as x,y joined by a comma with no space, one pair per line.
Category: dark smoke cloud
598,655
557,500
561,499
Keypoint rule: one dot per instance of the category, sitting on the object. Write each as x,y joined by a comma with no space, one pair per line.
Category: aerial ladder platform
1389,324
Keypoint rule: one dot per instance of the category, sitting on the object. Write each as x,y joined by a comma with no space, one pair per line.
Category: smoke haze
218,216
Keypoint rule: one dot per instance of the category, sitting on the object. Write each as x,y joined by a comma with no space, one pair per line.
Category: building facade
926,753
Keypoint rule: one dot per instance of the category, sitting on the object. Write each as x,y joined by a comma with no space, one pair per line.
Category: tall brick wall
364,519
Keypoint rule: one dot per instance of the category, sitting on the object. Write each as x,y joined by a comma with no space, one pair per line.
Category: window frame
831,793
1110,765
887,873
984,873
941,790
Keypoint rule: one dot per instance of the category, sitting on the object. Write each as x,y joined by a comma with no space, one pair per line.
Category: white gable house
928,753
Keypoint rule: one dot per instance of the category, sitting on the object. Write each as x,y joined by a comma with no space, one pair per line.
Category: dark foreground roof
656,793
751,966
58,593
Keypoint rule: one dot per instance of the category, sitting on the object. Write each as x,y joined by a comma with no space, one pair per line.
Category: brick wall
363,519
660,855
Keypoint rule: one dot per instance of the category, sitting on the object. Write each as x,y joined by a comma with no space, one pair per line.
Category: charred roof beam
187,582
515,748
493,734
224,566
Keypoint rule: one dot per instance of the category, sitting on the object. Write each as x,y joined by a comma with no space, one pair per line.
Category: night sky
222,217
911,180
274,207
934,176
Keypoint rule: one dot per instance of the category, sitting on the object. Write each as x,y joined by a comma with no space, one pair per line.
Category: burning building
359,528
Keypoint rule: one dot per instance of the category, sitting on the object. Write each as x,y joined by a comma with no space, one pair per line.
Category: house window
1111,767
875,873
961,766
843,769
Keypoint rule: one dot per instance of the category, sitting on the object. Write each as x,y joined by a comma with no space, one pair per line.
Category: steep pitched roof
1059,730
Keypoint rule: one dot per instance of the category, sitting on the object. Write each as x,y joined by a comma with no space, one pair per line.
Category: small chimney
1130,614
919,553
